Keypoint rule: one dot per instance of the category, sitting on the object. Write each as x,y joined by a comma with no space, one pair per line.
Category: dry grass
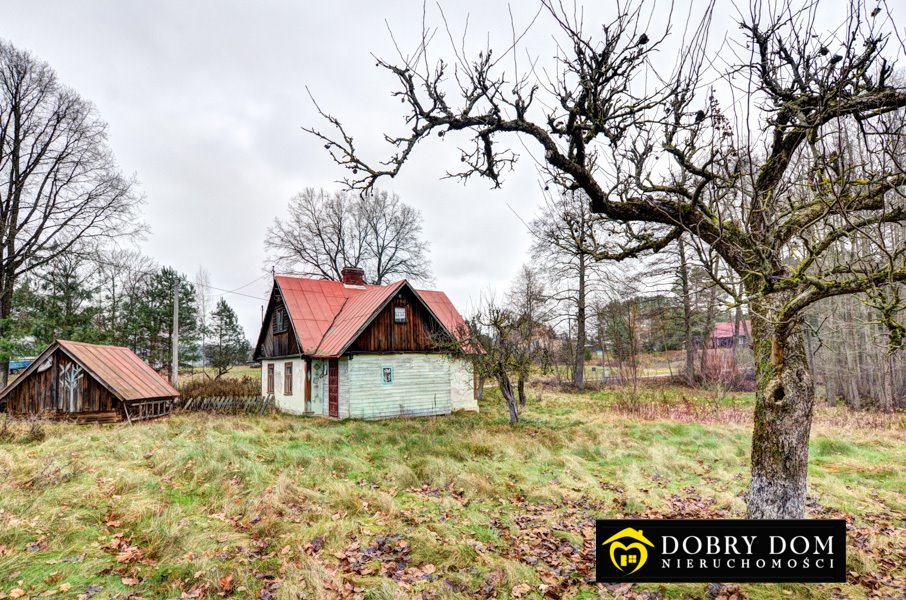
292,507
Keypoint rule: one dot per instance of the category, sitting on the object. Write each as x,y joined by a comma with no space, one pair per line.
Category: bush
35,431
6,433
205,388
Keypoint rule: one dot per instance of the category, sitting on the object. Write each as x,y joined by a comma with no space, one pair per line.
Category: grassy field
458,507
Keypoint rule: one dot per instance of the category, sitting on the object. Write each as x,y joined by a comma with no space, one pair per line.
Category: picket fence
231,405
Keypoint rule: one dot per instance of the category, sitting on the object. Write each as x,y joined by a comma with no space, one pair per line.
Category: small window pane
279,320
387,374
399,314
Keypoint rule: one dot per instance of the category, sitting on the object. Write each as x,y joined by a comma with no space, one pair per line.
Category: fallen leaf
226,584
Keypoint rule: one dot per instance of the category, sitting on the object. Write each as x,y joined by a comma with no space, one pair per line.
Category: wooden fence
146,409
230,405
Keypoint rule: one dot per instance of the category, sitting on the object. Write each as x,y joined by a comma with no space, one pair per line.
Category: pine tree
226,342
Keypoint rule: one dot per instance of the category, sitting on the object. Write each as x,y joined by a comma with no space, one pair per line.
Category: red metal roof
119,369
328,316
726,329
313,304
444,310
355,314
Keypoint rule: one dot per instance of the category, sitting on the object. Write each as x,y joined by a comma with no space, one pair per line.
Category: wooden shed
89,383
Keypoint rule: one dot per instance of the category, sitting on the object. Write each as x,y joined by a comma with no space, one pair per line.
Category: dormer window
399,314
279,320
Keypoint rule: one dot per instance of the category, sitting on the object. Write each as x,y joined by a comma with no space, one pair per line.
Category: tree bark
687,314
709,327
520,388
579,370
6,308
506,388
784,401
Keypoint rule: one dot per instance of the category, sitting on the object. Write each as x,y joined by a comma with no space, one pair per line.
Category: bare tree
686,294
326,232
205,304
504,354
122,274
769,186
531,305
60,188
569,239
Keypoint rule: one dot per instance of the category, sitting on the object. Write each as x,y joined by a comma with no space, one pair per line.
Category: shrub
204,388
35,431
6,434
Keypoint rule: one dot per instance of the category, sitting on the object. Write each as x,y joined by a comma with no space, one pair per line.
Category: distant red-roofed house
723,333
347,349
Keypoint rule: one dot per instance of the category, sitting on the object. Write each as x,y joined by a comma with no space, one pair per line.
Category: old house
723,334
88,382
347,349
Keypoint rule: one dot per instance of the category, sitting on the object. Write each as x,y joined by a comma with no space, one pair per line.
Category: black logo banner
725,550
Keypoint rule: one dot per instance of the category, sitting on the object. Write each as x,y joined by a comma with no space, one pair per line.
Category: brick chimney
353,276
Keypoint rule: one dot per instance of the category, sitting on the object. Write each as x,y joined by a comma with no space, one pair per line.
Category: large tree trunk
707,339
579,370
506,388
687,315
6,308
784,400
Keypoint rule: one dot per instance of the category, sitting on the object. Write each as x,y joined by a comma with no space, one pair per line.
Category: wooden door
308,385
333,388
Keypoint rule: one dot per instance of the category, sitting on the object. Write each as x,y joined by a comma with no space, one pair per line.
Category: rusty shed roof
118,369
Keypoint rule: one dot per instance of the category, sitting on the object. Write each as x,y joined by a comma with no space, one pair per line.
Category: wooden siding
276,345
421,386
43,393
384,334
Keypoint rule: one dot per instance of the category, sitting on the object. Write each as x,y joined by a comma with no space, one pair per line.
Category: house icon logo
623,556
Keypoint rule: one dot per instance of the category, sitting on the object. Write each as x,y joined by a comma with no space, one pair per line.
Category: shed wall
42,391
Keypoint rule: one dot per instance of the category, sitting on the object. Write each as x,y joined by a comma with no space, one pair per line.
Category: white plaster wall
462,385
293,402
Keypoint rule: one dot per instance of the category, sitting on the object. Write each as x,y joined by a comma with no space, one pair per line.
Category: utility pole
174,364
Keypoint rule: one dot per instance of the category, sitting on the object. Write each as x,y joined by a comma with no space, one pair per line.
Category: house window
399,314
279,320
288,379
387,374
270,378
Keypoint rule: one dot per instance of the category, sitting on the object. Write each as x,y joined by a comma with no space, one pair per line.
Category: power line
223,291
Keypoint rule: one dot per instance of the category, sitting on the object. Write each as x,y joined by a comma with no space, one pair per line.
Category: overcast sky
205,101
